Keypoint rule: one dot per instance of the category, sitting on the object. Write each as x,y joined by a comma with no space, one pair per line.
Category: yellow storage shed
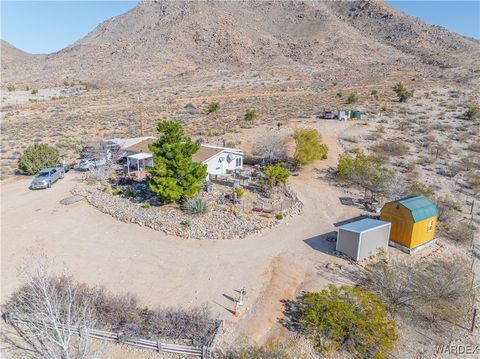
413,221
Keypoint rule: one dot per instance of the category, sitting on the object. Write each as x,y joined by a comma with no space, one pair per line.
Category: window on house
430,226
238,162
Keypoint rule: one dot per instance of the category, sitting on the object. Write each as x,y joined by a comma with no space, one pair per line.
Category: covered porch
138,162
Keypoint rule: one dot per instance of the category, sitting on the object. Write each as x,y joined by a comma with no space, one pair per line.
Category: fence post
204,352
159,347
472,328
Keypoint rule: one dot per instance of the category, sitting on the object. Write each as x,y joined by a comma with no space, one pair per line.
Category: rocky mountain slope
324,40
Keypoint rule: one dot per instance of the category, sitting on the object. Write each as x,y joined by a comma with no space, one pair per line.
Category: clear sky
48,26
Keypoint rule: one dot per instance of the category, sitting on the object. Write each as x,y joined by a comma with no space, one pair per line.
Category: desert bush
432,291
239,192
347,318
447,206
279,216
472,113
55,300
47,301
374,94
145,205
352,98
460,232
339,95
473,180
384,108
34,91
37,157
390,148
250,115
362,170
309,146
443,289
274,175
392,283
271,148
195,206
417,188
394,186
214,106
117,191
402,92
10,87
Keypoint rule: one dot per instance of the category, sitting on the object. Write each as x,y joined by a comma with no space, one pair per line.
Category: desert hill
325,40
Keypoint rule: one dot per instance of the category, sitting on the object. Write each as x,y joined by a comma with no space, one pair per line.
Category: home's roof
420,207
363,225
140,156
204,153
141,146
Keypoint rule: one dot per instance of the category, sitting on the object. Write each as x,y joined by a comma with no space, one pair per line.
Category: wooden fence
203,352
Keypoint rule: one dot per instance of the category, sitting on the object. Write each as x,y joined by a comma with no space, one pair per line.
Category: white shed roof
140,156
363,225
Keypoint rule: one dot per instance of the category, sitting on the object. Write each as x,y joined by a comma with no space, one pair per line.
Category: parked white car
46,177
86,163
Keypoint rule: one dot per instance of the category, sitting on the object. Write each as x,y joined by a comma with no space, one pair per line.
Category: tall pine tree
175,177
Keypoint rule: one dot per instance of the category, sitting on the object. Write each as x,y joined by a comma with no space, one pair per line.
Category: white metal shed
363,238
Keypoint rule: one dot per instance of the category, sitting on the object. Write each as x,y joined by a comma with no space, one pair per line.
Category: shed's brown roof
141,146
204,153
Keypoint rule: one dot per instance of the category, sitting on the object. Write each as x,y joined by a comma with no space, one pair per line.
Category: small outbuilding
344,115
363,238
413,222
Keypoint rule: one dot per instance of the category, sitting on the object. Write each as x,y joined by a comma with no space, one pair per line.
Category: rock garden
214,214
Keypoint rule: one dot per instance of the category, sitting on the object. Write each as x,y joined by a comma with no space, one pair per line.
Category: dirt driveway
164,270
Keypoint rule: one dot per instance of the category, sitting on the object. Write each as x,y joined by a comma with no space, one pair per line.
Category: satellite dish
230,157
221,159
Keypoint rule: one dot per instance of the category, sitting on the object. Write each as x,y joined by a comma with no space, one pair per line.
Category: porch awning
140,156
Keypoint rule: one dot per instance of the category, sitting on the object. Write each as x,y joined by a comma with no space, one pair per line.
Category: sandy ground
10,98
164,270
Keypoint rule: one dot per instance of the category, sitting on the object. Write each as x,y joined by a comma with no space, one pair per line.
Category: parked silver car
86,163
46,177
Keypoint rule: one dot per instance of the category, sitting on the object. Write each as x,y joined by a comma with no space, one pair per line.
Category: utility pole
140,118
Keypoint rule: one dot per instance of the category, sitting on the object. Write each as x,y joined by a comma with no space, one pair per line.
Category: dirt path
170,271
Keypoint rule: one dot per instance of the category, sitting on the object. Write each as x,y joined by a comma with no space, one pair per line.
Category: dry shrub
93,307
440,291
389,148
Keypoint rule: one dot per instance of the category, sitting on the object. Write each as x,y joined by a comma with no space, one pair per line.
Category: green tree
250,114
37,157
472,113
309,146
352,98
362,170
274,175
402,92
174,175
214,106
347,318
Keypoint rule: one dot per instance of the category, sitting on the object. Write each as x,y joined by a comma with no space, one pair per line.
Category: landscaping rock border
217,223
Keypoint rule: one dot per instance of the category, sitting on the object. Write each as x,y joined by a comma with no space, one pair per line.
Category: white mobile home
219,160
